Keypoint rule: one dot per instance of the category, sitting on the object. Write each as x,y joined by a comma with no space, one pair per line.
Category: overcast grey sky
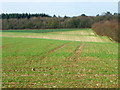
60,8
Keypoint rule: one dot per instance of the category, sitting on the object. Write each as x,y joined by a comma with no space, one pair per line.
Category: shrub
107,28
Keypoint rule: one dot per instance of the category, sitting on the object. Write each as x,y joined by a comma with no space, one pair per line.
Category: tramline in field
35,62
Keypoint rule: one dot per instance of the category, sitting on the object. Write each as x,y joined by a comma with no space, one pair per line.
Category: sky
59,0
60,8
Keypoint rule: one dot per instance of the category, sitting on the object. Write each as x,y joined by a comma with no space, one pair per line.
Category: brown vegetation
107,28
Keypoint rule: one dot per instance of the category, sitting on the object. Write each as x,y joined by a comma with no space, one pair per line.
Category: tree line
106,24
23,15
45,21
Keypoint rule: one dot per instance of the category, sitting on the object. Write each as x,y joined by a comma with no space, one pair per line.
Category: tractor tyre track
75,55
53,50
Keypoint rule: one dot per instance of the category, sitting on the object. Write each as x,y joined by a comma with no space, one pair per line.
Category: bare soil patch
63,37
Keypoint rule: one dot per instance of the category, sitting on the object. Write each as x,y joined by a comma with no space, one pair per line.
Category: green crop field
58,59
